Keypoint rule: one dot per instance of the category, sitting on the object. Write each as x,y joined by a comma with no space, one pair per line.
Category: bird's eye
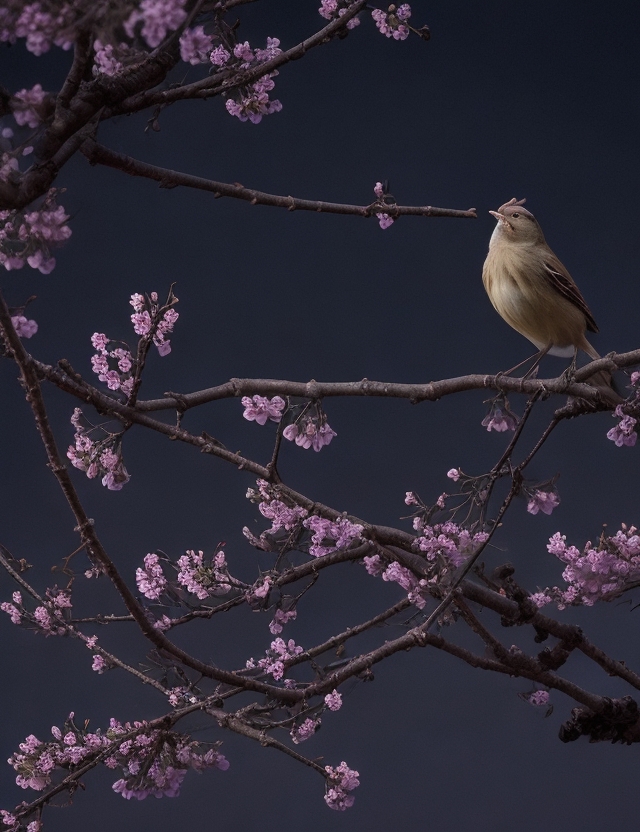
515,216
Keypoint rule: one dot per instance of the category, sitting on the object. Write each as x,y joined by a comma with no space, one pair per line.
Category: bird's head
516,224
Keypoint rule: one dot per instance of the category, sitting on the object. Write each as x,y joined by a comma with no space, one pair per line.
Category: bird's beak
501,219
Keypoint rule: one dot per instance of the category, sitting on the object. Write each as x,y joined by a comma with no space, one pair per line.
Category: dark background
535,100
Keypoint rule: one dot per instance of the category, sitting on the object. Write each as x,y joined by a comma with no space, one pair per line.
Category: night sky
525,100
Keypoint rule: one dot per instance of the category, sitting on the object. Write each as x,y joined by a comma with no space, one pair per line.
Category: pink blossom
385,220
624,433
141,322
99,664
333,701
538,697
392,24
341,780
12,611
378,190
195,46
26,106
453,474
219,56
106,62
280,619
151,580
331,536
330,9
243,51
544,501
374,564
307,729
261,409
24,328
158,17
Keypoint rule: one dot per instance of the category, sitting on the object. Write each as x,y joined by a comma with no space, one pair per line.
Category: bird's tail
602,380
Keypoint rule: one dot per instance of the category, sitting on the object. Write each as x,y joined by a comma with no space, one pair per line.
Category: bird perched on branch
535,294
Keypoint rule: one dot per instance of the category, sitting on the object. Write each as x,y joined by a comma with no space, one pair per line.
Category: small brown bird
535,294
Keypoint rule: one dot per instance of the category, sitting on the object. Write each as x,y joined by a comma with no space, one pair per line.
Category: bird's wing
560,279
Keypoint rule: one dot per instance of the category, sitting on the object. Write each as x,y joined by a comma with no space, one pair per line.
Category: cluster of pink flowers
306,729
26,106
281,618
330,535
392,23
394,572
157,17
330,9
310,429
196,46
446,545
151,580
106,59
49,618
340,781
260,409
624,433
104,363
27,237
595,573
280,652
146,319
253,102
333,701
203,578
102,458
384,220
12,824
536,697
153,762
24,328
41,23
543,500
271,506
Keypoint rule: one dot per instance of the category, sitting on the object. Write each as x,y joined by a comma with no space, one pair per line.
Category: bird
534,293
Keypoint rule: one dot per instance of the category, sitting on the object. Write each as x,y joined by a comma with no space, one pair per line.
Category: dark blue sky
534,100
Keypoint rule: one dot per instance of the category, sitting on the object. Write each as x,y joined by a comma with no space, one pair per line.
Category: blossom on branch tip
333,701
24,328
392,24
340,781
624,433
454,474
544,501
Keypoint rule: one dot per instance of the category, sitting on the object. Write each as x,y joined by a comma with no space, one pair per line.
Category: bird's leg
536,361
569,373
